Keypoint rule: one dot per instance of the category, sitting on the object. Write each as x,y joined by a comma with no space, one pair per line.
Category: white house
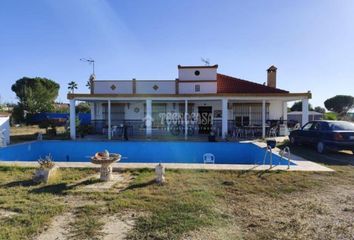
200,99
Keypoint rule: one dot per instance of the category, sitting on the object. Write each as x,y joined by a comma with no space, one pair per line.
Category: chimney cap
272,69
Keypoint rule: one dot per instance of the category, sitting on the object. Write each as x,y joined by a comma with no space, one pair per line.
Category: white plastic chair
273,132
114,130
209,158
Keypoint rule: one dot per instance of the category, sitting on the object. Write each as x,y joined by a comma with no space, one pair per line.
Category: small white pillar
185,119
109,121
148,117
263,119
224,114
305,111
72,119
160,174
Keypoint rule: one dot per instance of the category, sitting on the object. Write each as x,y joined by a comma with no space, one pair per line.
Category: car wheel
321,148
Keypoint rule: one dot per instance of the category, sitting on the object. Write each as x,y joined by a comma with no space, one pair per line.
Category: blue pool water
140,152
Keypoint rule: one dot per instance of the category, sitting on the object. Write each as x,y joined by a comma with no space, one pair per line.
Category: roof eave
307,95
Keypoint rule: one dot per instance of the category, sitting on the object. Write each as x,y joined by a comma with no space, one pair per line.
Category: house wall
163,87
135,111
5,126
189,87
275,110
131,112
189,74
96,111
113,87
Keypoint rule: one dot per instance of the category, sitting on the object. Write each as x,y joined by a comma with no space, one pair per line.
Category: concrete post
263,119
148,117
305,111
109,121
225,117
72,119
285,111
185,119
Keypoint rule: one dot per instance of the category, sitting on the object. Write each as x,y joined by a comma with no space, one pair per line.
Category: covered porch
186,118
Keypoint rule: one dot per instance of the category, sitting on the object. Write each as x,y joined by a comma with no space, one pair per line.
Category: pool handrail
268,150
285,151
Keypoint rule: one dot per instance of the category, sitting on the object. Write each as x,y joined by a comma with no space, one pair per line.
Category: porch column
72,119
305,111
285,111
93,110
185,119
109,121
263,119
148,117
224,114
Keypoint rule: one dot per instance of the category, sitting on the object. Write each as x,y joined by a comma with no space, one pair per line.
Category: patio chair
249,132
272,132
237,133
114,130
208,158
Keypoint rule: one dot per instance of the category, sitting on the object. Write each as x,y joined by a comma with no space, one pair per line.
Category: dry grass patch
193,204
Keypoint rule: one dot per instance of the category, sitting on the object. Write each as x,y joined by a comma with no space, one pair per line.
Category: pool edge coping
301,164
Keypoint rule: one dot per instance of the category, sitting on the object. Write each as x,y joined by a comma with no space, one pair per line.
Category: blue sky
311,42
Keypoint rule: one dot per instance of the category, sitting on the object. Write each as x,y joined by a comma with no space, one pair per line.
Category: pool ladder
286,151
268,151
283,153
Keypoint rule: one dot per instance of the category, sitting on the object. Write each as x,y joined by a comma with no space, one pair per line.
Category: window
158,111
347,126
316,127
248,113
197,73
197,88
307,126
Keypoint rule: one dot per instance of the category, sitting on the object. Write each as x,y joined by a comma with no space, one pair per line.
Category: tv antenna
206,61
90,61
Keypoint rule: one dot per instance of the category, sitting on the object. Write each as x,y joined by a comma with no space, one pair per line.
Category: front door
204,119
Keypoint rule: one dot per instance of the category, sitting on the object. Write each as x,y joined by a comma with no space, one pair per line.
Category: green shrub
330,116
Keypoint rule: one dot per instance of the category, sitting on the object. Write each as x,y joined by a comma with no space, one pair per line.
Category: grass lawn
192,205
29,133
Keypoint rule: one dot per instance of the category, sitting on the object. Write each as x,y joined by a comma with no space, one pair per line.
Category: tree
35,94
83,108
330,116
72,86
297,106
17,115
320,109
89,82
339,104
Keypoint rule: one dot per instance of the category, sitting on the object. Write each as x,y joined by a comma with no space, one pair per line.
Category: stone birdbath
105,159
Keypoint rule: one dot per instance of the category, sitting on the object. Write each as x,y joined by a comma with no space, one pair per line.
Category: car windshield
341,126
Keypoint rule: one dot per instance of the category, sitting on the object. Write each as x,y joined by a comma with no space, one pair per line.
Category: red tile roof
227,84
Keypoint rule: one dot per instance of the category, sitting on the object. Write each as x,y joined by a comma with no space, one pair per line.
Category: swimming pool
140,152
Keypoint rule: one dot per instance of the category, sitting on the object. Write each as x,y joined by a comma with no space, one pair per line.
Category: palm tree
72,86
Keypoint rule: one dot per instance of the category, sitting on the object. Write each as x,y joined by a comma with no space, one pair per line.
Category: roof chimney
272,77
